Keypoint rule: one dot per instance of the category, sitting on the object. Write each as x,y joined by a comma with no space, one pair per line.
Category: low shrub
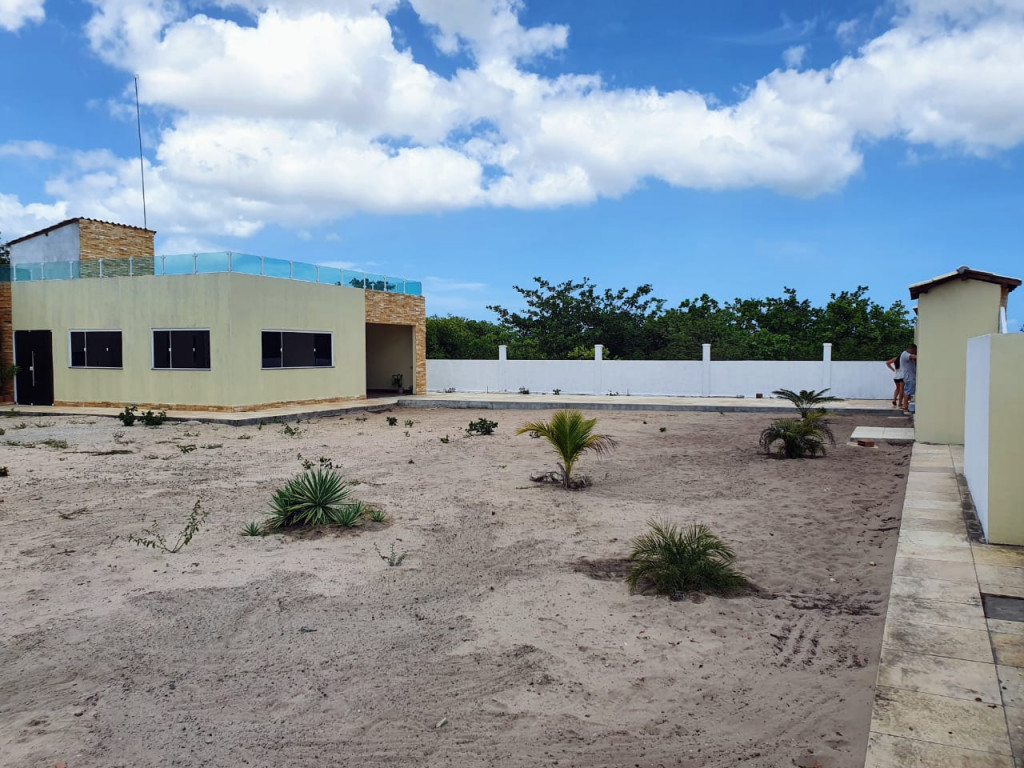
481,427
127,416
151,419
154,539
668,561
798,437
318,496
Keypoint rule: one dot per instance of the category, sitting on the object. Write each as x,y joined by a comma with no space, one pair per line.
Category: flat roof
964,273
64,223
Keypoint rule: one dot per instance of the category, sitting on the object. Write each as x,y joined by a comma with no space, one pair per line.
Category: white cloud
17,219
38,150
310,112
794,56
14,14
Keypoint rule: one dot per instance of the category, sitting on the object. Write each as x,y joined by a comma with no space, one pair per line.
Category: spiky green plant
807,401
318,496
570,434
799,437
376,515
669,560
252,529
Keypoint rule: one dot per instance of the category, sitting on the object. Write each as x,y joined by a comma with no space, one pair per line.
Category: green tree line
565,321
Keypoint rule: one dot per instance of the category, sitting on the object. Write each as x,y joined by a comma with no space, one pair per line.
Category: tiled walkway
950,688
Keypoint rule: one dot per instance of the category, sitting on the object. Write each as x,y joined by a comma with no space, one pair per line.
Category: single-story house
91,316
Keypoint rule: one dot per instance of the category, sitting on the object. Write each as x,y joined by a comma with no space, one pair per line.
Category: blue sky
728,148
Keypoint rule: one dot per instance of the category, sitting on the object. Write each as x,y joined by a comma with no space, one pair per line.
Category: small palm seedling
669,560
481,427
570,434
154,539
394,559
291,431
187,448
807,401
252,529
798,438
316,497
446,439
392,421
556,391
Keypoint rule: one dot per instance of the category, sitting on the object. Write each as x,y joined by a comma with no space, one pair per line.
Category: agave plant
807,401
570,434
799,437
669,560
316,497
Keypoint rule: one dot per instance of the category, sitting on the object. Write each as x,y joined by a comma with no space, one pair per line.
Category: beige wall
1006,446
236,308
389,350
948,315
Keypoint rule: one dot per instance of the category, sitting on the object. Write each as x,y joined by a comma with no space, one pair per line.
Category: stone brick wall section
104,240
401,309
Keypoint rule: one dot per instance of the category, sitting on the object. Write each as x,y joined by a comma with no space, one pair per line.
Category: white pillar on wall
705,380
599,352
826,366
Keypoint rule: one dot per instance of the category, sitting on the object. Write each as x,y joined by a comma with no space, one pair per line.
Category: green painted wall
236,308
948,315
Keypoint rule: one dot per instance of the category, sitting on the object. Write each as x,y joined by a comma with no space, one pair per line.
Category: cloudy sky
731,148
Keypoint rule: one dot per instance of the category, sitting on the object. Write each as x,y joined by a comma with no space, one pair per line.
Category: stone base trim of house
205,408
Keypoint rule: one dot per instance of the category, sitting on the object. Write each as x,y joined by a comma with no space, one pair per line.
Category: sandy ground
492,645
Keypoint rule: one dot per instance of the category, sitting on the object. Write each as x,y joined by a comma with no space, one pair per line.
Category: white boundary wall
858,380
976,423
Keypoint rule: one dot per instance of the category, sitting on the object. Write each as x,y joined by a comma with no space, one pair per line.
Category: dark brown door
33,354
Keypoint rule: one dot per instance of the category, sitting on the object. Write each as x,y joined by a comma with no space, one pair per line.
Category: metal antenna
142,171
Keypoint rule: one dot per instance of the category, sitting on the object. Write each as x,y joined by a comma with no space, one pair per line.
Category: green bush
318,496
799,437
481,427
570,434
668,560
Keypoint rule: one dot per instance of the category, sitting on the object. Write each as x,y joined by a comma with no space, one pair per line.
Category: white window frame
95,367
152,349
284,367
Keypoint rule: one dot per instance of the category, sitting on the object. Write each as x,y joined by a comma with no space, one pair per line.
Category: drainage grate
1003,608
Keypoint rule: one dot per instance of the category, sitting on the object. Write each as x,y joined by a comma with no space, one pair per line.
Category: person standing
908,364
893,364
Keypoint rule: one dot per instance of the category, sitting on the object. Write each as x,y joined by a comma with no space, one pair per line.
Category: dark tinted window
271,349
292,349
322,350
298,350
185,349
96,349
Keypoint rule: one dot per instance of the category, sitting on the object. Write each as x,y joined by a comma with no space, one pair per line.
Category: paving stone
894,752
940,675
1011,681
955,552
945,570
1008,649
987,554
935,589
955,642
941,720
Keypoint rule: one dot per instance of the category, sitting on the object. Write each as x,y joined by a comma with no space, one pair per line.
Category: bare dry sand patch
493,644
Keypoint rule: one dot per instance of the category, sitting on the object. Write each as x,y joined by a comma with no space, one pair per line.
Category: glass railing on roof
205,264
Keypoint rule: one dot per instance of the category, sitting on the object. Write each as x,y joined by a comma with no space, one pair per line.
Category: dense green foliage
566,320
669,561
570,435
798,438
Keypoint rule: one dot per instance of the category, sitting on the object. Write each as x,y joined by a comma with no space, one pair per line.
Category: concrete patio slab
954,642
1011,681
910,587
925,568
941,675
941,720
896,752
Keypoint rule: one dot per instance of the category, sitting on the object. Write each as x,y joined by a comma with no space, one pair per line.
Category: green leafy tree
571,435
559,318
